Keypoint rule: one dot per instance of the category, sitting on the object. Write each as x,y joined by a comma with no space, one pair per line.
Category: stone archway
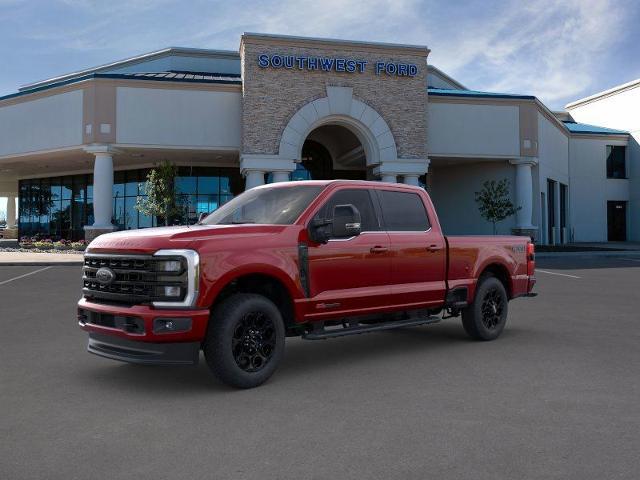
340,108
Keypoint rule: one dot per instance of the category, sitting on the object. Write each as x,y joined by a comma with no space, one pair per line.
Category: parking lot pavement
555,397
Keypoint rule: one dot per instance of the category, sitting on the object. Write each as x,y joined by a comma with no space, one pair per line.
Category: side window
359,198
403,211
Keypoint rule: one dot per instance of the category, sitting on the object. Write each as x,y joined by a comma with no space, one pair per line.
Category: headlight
178,277
170,266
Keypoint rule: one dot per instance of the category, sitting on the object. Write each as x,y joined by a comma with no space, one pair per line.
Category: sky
557,50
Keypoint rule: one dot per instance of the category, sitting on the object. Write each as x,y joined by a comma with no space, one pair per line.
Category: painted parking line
25,275
556,273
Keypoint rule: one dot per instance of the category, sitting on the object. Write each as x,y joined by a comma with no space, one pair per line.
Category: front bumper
116,348
127,333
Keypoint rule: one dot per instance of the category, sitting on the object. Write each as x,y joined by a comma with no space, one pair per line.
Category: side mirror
320,230
346,221
202,216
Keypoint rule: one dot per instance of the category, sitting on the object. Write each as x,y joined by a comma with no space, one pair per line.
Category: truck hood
148,240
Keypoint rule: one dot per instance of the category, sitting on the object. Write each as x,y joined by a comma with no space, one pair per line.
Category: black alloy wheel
486,317
245,340
254,341
492,307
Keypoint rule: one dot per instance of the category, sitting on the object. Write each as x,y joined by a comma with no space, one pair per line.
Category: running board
321,334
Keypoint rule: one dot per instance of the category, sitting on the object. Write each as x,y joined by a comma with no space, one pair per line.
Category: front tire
486,317
245,340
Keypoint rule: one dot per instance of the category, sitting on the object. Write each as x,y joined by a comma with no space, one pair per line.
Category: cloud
547,48
557,50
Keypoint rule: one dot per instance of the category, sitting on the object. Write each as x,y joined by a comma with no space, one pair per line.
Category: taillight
531,259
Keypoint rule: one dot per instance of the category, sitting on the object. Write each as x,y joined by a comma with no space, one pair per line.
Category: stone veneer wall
271,96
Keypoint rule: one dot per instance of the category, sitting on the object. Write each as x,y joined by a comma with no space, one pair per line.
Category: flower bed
38,244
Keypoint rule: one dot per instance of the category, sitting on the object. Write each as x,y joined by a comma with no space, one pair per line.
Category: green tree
161,198
494,202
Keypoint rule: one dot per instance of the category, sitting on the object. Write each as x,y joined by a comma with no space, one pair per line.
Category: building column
409,169
253,166
411,180
253,178
102,191
11,212
389,178
280,176
524,196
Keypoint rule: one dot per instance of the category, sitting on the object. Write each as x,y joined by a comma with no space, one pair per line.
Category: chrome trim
193,277
353,236
118,255
408,231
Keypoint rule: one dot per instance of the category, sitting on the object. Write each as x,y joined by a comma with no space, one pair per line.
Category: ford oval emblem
104,276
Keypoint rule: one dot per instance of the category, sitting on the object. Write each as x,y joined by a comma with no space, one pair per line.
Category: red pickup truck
316,259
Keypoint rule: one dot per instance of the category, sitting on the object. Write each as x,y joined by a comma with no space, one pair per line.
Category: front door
349,274
418,258
617,221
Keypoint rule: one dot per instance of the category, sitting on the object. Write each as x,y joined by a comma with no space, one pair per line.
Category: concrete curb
609,253
41,264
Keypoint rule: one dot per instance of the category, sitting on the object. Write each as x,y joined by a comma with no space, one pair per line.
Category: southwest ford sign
333,64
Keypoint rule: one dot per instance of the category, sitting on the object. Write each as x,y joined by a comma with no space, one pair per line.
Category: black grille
127,324
137,279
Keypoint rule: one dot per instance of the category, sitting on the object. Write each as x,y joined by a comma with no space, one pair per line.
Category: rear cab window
359,198
403,211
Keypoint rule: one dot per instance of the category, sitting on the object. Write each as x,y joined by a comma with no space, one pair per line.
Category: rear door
354,273
418,253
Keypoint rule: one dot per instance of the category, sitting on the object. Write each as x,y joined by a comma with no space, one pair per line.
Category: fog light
171,291
170,266
171,325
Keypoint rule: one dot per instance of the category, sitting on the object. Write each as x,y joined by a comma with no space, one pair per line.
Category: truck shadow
303,359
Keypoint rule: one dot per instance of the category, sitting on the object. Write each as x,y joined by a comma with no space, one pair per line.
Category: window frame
384,223
625,175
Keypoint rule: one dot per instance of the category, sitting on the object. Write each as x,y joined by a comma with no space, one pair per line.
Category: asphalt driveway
557,396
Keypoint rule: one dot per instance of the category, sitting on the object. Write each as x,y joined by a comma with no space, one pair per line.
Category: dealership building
75,149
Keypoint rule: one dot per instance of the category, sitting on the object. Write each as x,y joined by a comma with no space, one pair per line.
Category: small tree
161,196
494,202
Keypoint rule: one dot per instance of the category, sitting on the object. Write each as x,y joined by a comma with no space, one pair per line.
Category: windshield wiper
240,222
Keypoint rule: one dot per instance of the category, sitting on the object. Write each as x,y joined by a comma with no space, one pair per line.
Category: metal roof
177,75
186,77
475,93
135,60
585,128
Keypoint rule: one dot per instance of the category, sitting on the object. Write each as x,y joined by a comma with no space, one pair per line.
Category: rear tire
245,340
486,317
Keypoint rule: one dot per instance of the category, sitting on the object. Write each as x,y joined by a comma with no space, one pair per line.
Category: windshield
276,206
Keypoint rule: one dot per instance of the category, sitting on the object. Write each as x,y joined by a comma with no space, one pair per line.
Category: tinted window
403,211
359,198
616,162
276,206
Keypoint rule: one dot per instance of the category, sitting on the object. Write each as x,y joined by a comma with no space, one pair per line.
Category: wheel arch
259,281
501,272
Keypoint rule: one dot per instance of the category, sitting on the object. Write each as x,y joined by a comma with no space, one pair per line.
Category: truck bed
470,255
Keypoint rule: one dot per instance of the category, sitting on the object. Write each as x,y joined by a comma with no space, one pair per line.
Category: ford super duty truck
316,259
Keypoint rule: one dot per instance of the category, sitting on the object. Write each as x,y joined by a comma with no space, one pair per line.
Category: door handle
379,249
434,248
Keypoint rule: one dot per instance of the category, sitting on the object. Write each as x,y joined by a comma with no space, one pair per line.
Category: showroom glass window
59,207
616,161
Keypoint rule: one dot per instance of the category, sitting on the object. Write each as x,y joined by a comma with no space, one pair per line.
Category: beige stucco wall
54,121
468,129
178,117
271,96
